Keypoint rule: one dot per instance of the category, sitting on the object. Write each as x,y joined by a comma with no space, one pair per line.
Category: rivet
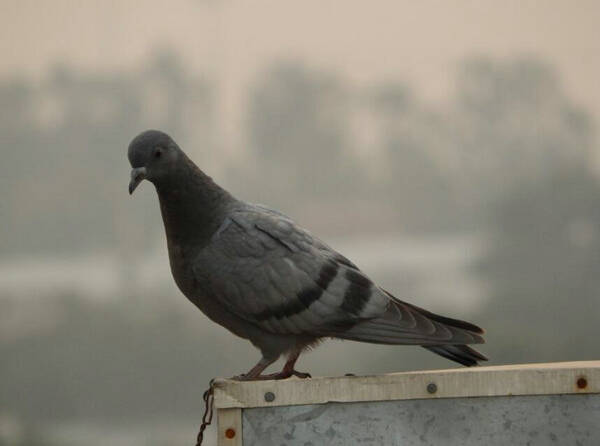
230,433
269,397
431,387
582,382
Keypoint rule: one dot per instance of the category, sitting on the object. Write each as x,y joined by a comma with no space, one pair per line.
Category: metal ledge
522,379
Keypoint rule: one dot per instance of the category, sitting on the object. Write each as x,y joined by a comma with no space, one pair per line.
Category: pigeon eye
157,152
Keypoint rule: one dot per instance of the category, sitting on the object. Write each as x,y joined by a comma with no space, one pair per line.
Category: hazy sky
418,41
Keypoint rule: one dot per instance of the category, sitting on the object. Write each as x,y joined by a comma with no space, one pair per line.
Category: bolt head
230,433
432,387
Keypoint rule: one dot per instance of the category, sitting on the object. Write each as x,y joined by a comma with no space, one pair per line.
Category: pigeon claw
284,374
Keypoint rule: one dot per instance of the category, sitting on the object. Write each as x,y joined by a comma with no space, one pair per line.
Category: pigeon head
154,156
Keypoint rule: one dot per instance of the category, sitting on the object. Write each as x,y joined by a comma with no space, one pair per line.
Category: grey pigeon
254,271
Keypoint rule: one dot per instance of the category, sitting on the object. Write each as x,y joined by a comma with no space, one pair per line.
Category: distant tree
414,179
64,148
509,122
298,135
513,122
543,270
525,155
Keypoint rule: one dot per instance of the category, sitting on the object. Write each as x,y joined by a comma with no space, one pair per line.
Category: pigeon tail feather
404,323
463,354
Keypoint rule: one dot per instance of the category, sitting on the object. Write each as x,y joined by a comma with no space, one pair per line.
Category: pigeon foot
284,374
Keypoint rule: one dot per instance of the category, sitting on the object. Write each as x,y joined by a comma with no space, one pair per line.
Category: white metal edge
229,419
522,379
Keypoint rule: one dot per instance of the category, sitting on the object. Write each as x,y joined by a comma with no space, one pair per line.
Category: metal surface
523,379
528,404
519,420
230,421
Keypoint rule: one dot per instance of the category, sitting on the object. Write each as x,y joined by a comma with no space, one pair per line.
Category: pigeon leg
255,372
288,369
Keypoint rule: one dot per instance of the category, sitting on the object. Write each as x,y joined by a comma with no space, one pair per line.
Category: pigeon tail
463,354
403,323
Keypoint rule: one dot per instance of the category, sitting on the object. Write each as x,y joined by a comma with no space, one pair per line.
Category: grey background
450,150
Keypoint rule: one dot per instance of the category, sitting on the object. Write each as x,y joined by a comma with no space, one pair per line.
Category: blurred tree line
334,155
64,145
509,157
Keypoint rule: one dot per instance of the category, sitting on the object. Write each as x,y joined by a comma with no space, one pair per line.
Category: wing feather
266,270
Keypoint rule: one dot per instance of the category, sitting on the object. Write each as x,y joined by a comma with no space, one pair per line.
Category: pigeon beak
137,175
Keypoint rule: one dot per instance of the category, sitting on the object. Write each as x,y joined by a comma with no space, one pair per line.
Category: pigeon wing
265,269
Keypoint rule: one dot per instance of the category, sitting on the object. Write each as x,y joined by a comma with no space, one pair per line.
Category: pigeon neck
192,206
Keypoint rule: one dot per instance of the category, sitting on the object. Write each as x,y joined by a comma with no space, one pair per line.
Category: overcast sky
418,41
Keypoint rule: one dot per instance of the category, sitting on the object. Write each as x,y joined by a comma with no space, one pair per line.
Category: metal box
532,404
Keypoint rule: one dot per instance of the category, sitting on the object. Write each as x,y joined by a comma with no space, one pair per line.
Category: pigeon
254,271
